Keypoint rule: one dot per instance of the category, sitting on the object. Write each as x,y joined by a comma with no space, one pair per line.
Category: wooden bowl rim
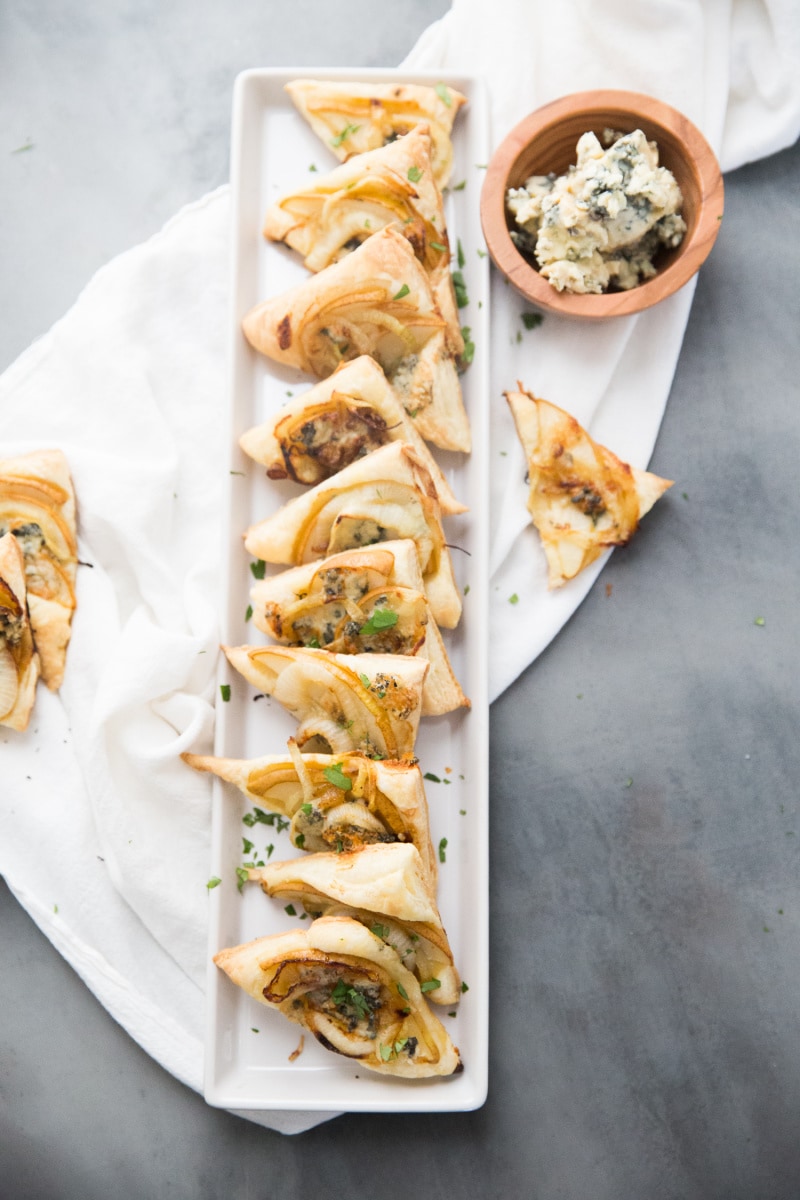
694,250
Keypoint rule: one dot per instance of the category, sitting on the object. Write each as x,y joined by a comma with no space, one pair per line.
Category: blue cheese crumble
600,226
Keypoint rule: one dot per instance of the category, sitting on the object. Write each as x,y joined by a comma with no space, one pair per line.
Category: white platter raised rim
247,1045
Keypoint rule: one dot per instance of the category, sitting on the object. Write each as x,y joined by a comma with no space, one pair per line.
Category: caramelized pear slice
19,663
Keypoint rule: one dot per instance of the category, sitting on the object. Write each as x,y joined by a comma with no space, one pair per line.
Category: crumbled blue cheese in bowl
600,226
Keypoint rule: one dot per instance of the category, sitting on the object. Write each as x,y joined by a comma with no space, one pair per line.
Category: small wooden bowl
545,141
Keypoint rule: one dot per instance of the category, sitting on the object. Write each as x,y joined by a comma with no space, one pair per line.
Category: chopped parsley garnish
468,353
404,290
365,680
459,187
381,618
313,643
628,782
481,253
312,166
462,299
386,1052
307,809
351,997
257,568
241,877
438,246
225,691
464,987
531,320
236,473
381,931
336,776
444,95
430,985
247,846
461,256
248,612
30,145
415,174
290,910
213,882
513,598
269,850
402,991
300,841
442,848
346,132
466,589
760,621
431,777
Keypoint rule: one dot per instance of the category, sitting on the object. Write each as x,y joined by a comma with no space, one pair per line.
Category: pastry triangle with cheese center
19,663
335,801
366,702
361,601
351,991
377,301
384,887
351,118
321,431
37,505
583,499
385,496
394,185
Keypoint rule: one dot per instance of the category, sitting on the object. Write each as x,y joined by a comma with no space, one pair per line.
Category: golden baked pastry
385,496
351,991
377,301
393,185
351,118
365,702
361,601
583,499
334,801
19,663
385,888
321,431
37,505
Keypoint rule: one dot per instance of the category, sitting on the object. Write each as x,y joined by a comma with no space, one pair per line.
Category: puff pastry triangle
351,991
334,801
376,301
583,499
19,663
321,431
37,505
385,496
366,702
361,601
351,118
384,887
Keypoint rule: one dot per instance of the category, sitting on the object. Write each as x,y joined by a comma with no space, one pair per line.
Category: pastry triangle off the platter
583,499
342,418
19,662
37,505
351,991
385,496
384,887
334,801
366,702
362,601
351,118
377,301
394,185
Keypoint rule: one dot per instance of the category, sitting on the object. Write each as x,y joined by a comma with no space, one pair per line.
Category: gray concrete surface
645,826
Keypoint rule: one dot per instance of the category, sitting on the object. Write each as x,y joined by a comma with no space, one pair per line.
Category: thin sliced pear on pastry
366,702
386,888
376,301
342,418
351,991
19,663
393,185
351,118
386,495
361,601
37,505
334,801
583,499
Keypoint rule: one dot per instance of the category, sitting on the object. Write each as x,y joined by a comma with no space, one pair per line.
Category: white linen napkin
103,832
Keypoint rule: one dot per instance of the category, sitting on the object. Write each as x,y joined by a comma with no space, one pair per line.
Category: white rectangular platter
248,1046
